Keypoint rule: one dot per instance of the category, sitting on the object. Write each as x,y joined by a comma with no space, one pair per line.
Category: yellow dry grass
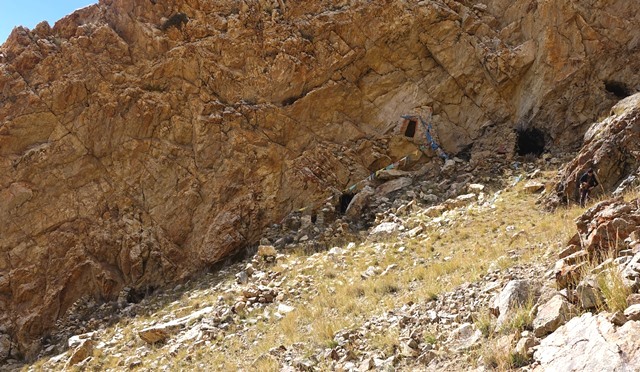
444,256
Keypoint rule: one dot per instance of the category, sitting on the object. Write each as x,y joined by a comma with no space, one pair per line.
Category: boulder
525,346
551,315
533,187
590,343
359,202
632,312
267,251
161,332
589,295
385,228
81,352
465,337
515,293
393,185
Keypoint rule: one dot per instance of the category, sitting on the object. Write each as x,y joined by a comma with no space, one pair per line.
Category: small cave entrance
410,131
345,200
465,153
530,142
134,296
618,89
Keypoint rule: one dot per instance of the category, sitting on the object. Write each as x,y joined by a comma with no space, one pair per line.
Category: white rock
475,188
590,343
161,332
75,341
336,251
285,309
385,228
632,312
514,294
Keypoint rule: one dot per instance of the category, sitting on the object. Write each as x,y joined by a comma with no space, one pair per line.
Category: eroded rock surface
611,148
143,141
600,345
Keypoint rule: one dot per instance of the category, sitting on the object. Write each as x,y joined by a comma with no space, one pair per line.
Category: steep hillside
468,283
142,141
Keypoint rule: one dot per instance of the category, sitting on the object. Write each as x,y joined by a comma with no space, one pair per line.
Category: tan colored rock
81,352
267,251
359,202
136,150
610,148
551,315
153,335
533,187
393,185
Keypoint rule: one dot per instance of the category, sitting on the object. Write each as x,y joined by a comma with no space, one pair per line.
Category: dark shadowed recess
530,142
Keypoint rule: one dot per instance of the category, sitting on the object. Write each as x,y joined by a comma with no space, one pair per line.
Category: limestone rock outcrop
141,141
612,149
590,343
607,233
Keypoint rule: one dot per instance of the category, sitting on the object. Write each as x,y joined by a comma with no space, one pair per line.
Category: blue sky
29,13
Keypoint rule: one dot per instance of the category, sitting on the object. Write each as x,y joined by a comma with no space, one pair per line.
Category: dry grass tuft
612,287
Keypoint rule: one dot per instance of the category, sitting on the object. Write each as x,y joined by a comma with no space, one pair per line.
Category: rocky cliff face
141,141
611,148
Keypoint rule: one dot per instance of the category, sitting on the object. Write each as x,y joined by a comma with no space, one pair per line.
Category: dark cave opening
465,153
134,296
345,200
411,129
618,89
530,142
